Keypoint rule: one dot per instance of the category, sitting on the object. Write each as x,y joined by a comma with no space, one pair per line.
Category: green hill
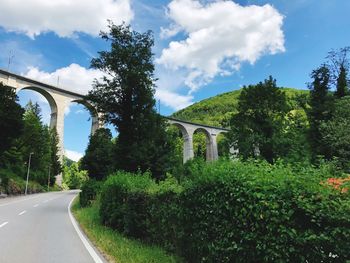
216,111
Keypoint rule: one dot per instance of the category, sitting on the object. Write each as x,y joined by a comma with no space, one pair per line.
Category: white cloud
74,78
64,17
220,36
173,100
75,156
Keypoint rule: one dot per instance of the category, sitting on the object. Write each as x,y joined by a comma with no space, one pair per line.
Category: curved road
38,228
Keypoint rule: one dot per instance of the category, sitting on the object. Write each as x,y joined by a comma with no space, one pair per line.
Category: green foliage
116,246
89,191
29,136
11,184
73,178
342,83
215,111
321,107
218,110
140,208
292,140
11,123
126,98
255,212
335,133
200,144
56,166
36,139
338,64
261,109
234,211
99,157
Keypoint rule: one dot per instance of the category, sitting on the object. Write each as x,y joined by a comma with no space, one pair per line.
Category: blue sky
202,48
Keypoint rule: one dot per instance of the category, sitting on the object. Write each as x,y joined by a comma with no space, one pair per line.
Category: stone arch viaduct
59,99
188,128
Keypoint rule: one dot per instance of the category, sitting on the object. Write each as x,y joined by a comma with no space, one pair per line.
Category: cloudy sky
202,47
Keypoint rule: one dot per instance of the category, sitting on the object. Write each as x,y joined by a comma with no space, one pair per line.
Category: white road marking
23,212
87,245
3,224
46,201
36,205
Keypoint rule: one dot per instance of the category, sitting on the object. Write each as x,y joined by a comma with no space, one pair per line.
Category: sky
202,47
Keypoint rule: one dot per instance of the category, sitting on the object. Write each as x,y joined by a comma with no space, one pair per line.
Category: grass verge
112,244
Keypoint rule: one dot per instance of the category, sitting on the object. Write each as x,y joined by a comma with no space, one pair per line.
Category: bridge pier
212,148
188,153
97,122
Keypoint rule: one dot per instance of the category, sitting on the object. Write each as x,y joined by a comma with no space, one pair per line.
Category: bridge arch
50,99
201,148
187,136
96,120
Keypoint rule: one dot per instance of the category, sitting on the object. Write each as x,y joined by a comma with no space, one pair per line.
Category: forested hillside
218,110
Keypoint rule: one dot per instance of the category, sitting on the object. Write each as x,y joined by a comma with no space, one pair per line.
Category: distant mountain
68,161
216,111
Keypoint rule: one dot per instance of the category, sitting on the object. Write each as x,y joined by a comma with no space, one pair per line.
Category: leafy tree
126,97
335,132
99,159
338,64
56,166
292,141
321,107
342,89
73,177
36,139
200,145
11,123
261,109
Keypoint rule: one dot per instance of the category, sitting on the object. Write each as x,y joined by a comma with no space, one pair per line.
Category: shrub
119,193
14,185
235,211
89,192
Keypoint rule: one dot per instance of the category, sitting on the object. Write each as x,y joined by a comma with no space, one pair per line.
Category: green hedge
89,191
234,212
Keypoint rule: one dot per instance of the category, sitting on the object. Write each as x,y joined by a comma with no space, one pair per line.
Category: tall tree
261,109
73,177
335,132
321,107
99,159
342,83
36,139
11,123
126,97
338,64
55,163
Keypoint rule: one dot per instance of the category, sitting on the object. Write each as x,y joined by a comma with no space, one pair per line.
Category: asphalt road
38,228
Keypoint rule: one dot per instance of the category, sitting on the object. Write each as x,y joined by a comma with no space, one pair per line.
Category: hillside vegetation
216,111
